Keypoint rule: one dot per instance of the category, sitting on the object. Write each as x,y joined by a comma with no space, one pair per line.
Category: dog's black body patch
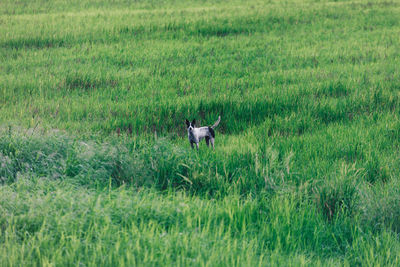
211,132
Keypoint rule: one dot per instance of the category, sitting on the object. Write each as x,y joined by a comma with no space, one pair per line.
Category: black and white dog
196,134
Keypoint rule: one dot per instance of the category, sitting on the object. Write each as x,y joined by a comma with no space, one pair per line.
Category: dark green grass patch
158,164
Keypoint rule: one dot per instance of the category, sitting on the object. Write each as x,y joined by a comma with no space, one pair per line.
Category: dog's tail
216,123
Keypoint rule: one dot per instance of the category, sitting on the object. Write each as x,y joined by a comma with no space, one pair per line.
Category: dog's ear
193,122
187,123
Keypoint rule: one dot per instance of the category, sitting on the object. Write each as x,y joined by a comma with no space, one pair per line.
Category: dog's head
190,125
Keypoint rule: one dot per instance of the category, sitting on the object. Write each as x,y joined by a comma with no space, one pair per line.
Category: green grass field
95,166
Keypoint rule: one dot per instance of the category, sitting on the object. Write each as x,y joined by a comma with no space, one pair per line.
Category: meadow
96,168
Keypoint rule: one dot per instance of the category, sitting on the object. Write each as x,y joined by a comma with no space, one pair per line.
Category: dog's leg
191,144
208,141
197,145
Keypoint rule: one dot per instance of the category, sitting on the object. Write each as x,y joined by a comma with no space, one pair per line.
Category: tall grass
95,168
157,163
69,197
